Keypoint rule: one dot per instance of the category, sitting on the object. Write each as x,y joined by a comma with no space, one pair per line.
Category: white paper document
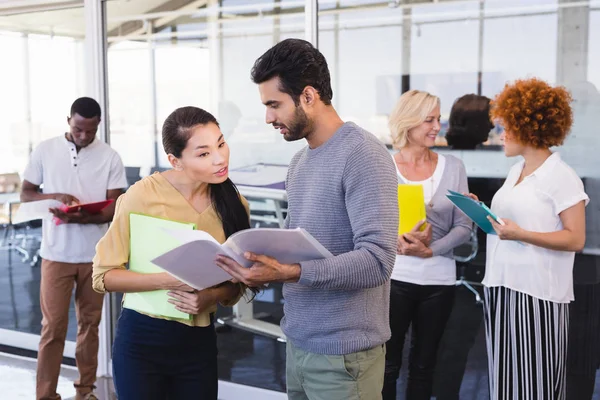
33,210
194,261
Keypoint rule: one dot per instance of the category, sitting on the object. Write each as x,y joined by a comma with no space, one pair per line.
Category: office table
8,238
8,199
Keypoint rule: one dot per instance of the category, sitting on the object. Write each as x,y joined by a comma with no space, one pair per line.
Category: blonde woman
424,275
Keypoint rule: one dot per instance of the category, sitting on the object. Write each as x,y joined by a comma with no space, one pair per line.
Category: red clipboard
90,208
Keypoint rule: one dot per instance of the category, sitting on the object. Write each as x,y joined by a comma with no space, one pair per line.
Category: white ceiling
67,19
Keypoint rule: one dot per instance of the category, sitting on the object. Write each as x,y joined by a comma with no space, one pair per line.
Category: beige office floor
17,382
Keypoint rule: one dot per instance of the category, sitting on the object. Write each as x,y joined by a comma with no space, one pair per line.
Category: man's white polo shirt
86,175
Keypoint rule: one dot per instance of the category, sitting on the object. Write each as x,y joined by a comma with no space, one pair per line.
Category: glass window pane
42,73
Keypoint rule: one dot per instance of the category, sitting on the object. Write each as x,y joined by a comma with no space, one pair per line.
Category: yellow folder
148,240
411,206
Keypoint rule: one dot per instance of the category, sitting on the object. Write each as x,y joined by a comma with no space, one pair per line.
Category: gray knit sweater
343,193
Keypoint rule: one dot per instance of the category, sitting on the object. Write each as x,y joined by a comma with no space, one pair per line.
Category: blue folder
476,210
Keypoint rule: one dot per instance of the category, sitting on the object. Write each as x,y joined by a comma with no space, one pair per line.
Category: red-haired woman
529,269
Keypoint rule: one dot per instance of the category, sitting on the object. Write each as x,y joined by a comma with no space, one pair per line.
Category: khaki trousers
356,376
55,295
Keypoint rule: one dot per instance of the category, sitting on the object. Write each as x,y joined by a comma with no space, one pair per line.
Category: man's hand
264,270
79,217
193,302
66,198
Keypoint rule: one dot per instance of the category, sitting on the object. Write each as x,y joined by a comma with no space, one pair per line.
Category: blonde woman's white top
437,270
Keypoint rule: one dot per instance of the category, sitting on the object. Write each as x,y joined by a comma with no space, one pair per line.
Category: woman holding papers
424,276
156,357
529,269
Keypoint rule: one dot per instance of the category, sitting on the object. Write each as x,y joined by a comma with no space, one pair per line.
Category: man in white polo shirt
74,168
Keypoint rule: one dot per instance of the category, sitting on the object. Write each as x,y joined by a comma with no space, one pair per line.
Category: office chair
473,243
20,238
157,169
132,175
17,237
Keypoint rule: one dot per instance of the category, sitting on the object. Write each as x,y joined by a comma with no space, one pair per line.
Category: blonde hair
410,111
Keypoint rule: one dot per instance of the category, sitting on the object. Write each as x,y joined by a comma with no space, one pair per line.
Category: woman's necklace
431,179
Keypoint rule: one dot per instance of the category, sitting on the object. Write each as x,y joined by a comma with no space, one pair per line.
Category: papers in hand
33,210
40,209
411,207
193,262
90,208
147,241
475,210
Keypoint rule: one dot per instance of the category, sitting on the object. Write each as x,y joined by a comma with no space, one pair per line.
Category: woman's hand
167,281
507,230
423,235
193,302
471,196
409,245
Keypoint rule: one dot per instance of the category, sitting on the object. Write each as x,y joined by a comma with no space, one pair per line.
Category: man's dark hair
298,64
86,107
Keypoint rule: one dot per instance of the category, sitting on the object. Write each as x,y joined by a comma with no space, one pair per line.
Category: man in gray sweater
342,189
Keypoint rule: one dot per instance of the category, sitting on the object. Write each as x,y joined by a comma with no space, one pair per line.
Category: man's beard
300,127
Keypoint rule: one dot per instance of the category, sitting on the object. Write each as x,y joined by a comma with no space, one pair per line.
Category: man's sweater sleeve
371,198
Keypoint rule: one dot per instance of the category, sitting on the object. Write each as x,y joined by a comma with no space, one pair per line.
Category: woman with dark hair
469,122
156,357
528,281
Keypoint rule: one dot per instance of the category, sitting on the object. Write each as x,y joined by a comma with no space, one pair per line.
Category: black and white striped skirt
526,345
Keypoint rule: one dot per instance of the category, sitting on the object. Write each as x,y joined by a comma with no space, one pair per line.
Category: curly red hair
534,112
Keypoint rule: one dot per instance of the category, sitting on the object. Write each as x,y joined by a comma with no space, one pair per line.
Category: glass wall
200,57
378,50
239,107
353,40
40,80
160,58
42,73
355,35
163,55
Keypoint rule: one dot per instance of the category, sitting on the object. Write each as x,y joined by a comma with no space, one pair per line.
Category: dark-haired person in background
342,189
469,127
469,122
74,167
156,357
